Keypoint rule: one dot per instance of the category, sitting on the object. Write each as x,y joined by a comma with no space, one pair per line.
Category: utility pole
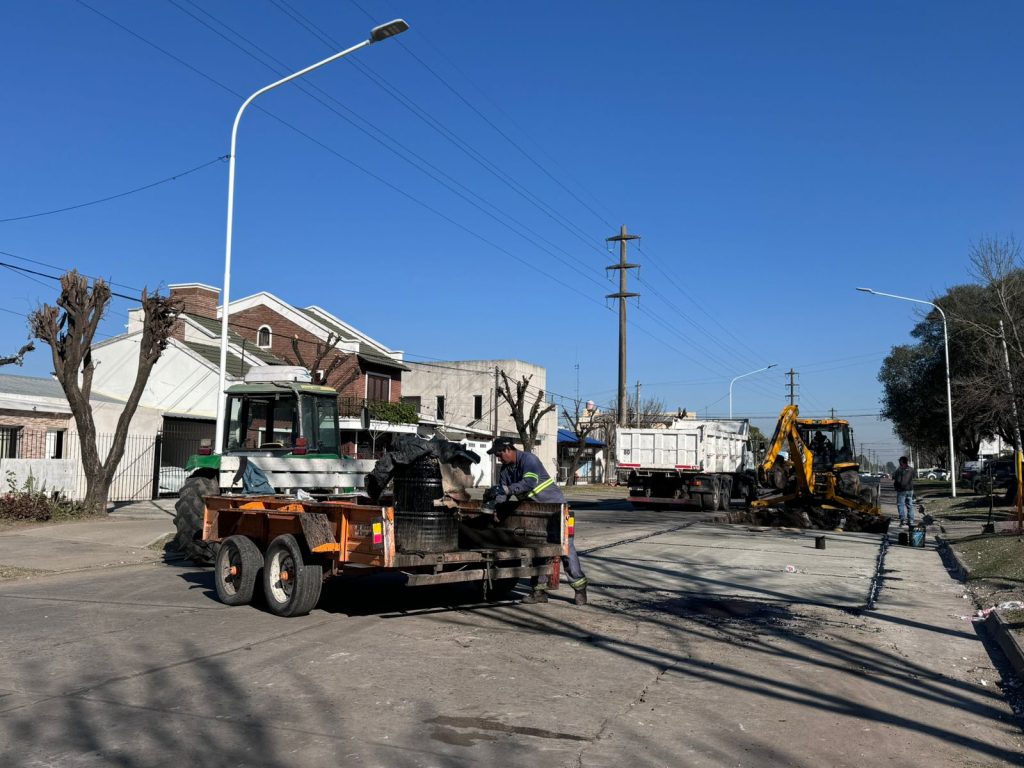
494,425
1016,433
833,413
792,386
622,238
638,403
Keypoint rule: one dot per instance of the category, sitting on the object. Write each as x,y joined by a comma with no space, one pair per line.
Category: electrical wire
107,199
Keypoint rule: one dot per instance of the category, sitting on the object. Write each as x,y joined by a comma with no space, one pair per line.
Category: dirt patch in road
11,572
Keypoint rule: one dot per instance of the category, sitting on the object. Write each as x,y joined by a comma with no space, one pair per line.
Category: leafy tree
69,330
525,414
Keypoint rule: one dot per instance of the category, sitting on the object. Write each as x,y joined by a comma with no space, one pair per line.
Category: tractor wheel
188,519
238,566
292,588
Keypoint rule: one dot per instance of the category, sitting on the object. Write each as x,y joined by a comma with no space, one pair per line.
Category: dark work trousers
571,567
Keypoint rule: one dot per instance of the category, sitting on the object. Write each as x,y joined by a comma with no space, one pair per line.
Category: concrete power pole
792,386
638,403
622,238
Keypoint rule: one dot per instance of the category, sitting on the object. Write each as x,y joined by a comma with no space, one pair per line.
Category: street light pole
949,392
742,375
383,32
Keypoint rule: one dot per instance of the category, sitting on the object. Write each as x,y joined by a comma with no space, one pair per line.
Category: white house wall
178,383
459,381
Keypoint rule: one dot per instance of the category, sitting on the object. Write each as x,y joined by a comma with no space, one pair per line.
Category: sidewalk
119,539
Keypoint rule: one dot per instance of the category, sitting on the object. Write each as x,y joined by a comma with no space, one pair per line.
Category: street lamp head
866,290
384,31
771,366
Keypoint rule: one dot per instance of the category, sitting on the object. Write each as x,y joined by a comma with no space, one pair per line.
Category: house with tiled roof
263,330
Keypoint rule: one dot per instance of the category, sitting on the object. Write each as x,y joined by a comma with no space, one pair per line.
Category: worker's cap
500,444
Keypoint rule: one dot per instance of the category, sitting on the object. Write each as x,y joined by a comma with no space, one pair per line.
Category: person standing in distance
523,477
903,482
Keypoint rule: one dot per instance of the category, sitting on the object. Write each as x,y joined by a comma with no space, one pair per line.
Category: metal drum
419,525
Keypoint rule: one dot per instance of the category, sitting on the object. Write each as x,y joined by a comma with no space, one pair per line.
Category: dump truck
431,533
285,426
811,463
703,462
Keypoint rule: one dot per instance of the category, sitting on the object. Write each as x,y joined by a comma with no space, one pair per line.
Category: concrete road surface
699,649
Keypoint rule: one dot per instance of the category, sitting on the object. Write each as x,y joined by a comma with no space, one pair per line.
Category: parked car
171,480
1001,472
933,473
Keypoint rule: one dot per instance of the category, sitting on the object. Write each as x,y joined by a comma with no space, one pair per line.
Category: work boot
537,596
581,596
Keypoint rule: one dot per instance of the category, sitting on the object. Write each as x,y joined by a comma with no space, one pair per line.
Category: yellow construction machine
811,463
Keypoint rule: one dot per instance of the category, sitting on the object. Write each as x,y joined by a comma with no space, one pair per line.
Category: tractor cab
829,440
277,412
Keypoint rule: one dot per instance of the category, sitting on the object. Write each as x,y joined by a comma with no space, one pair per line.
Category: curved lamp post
742,375
949,394
383,32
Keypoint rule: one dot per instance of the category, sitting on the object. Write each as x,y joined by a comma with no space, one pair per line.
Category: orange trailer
292,546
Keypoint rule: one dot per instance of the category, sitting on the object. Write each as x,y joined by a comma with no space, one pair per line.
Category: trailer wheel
188,519
292,588
238,565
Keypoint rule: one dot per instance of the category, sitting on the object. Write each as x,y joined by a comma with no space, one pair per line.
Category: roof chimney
196,298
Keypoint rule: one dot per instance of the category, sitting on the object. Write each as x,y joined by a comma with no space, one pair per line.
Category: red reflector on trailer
571,526
378,533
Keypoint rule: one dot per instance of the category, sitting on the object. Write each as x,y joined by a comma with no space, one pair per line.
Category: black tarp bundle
407,449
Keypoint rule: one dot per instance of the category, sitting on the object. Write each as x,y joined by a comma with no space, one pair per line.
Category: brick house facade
358,367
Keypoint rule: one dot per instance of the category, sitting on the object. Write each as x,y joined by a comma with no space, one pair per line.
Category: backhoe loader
820,469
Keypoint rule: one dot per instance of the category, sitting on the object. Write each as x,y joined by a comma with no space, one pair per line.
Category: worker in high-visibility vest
523,476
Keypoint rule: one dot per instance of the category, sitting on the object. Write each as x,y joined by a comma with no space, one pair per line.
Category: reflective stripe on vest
540,488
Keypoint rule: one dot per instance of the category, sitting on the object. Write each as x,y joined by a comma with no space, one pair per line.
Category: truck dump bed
689,444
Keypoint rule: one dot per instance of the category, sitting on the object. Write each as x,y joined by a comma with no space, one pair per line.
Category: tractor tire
239,562
188,519
292,587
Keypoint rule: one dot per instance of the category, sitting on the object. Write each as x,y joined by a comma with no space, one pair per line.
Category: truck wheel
711,501
725,495
292,588
238,565
188,519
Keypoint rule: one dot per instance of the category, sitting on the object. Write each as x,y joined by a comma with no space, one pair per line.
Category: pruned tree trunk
69,329
583,424
527,419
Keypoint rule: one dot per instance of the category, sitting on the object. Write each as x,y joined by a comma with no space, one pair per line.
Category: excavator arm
800,458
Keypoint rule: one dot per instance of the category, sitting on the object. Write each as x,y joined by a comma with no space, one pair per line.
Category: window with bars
9,439
478,406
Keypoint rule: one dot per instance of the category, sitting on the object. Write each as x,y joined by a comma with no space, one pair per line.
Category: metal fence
50,460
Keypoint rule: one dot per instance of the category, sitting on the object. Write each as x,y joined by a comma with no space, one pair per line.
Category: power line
115,197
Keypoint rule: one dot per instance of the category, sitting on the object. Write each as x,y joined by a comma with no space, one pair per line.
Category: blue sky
773,156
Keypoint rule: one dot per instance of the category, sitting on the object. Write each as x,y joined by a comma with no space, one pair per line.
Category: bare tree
527,418
320,351
69,330
18,359
583,423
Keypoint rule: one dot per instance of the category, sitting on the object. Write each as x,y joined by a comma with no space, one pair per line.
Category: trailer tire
292,587
240,554
188,519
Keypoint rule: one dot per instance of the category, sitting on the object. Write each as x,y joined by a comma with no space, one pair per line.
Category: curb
1007,641
960,570
994,624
